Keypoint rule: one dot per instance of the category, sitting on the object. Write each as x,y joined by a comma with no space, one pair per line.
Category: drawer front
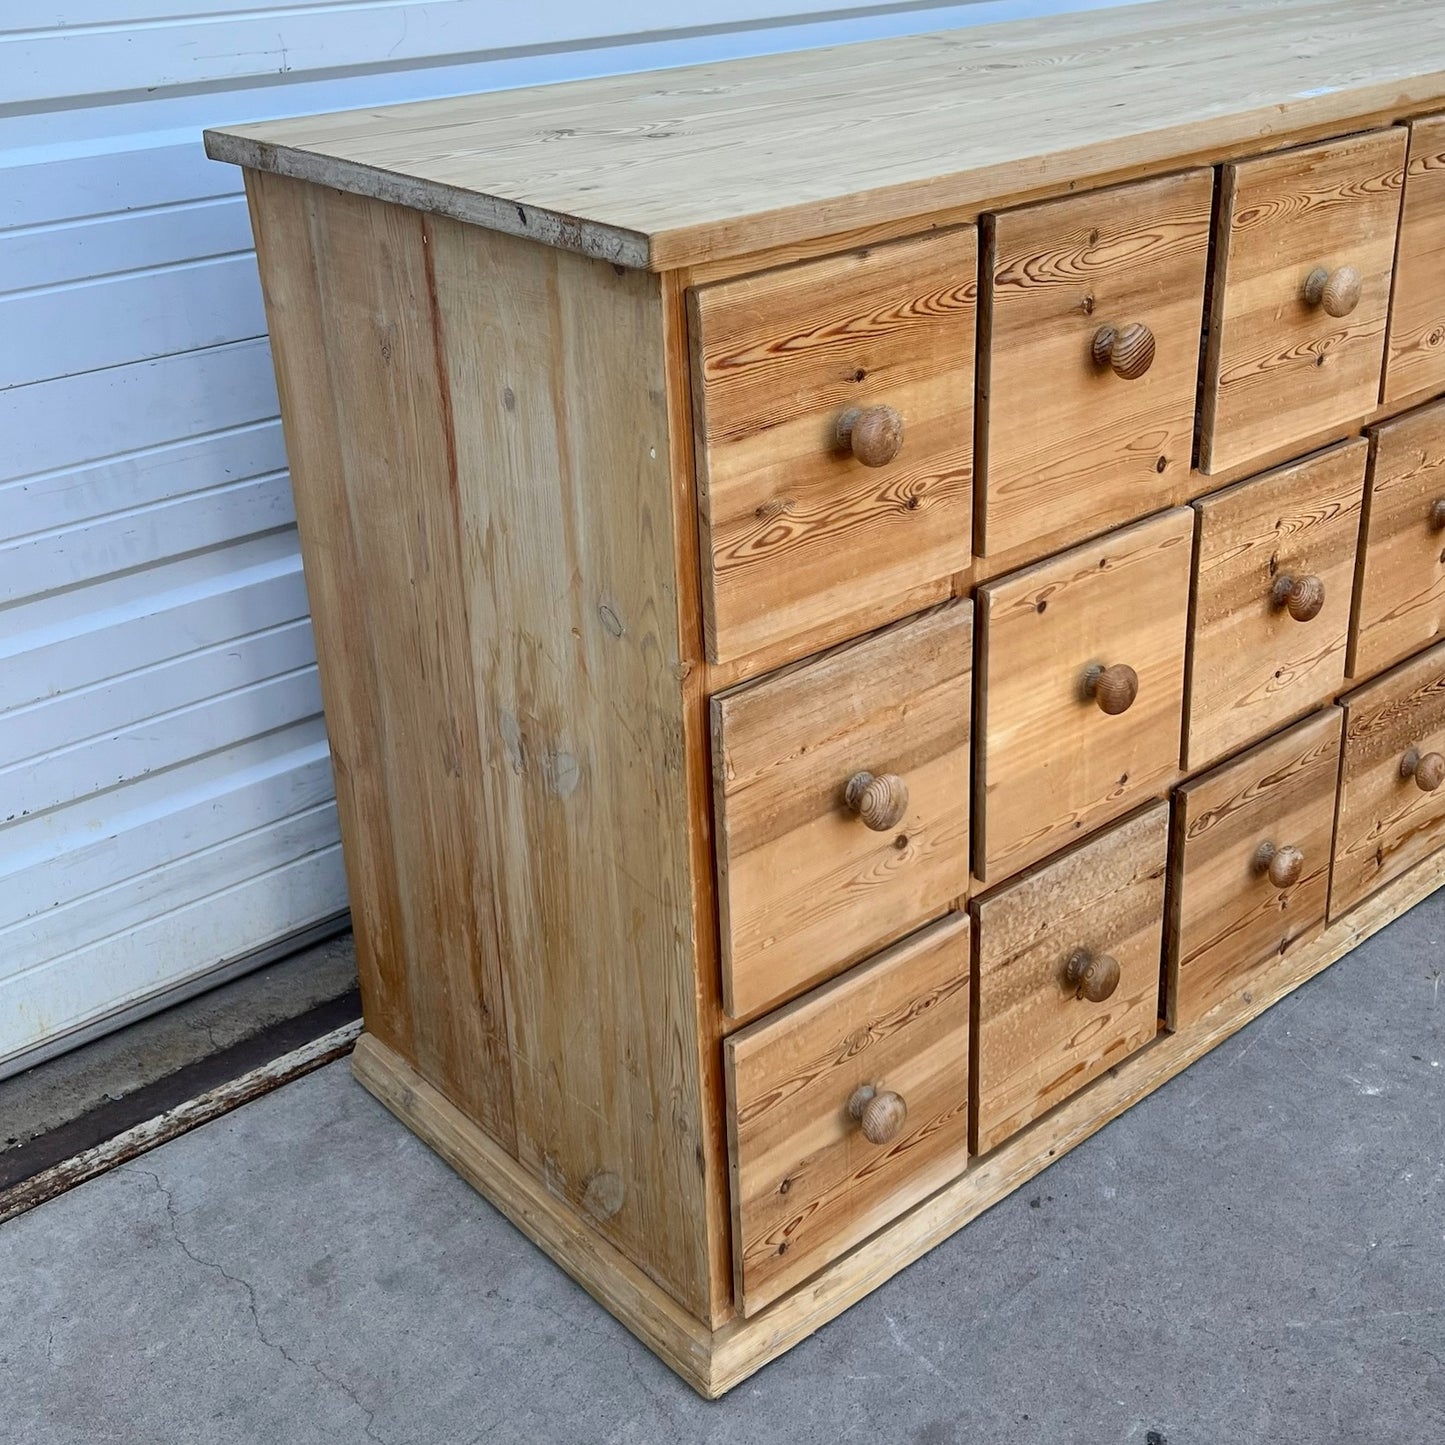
1415,356
1081,678
818,1166
1068,973
1305,247
1251,864
1274,575
1392,778
807,524
842,802
1074,439
1401,603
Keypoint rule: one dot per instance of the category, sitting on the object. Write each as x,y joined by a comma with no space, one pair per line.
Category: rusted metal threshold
121,1129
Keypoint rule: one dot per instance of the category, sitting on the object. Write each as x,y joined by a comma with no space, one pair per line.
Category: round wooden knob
1128,351
1427,769
880,1112
1338,291
1437,515
1285,866
1301,597
1093,976
873,434
1113,688
880,801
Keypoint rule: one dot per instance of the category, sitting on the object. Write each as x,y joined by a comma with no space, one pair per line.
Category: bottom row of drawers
855,1101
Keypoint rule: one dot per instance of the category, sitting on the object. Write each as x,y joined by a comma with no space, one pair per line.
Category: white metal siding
165,795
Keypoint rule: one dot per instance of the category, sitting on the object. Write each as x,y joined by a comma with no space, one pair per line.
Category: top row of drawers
841,464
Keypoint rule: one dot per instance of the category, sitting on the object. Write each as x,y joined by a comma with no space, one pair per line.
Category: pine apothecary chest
873,605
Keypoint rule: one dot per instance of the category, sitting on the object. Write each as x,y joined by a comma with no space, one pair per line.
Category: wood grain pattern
1415,353
1227,920
1050,764
798,533
718,677
1067,447
493,567
804,888
556,371
1277,369
1400,592
986,569
1386,824
1253,666
697,761
716,160
807,1184
1037,1042
366,421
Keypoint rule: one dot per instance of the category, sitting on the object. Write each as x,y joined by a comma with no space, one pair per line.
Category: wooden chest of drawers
864,625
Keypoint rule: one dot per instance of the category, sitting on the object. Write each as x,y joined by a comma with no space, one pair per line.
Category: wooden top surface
679,167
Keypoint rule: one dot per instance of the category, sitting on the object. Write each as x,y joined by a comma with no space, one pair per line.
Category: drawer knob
880,1112
1285,866
1427,769
873,434
1093,976
1301,597
1128,351
1337,291
1113,688
1437,515
879,801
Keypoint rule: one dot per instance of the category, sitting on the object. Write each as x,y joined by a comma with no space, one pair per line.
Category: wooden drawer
1274,566
1251,864
802,532
1415,356
1392,804
1071,440
1286,359
813,876
1057,755
1044,1031
1400,596
810,1177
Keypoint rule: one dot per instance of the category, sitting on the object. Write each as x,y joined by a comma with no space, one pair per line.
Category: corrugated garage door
165,797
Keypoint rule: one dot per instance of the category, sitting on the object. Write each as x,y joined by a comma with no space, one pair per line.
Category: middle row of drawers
866,790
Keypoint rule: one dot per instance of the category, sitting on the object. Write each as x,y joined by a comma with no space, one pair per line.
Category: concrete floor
1255,1254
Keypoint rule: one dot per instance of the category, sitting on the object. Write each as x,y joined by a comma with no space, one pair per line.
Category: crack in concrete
488,1431
369,1426
635,1366
205,1026
173,1221
588,1321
